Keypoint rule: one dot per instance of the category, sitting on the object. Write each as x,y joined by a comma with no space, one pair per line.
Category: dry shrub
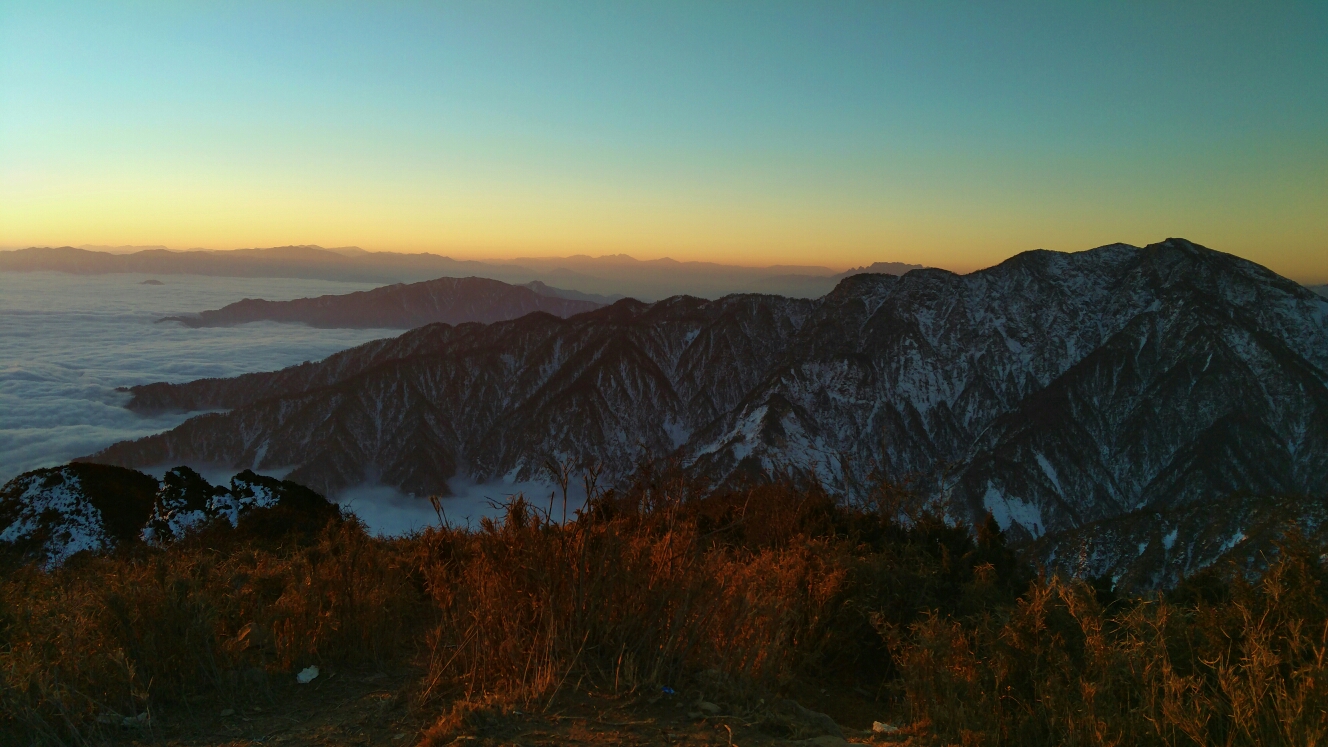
1057,668
738,593
120,636
627,598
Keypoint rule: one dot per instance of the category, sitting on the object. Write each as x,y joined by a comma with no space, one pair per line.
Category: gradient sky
754,133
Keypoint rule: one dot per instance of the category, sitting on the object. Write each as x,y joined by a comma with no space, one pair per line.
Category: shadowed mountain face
1053,390
446,300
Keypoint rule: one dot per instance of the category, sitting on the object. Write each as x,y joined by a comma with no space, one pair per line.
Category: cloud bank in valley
67,342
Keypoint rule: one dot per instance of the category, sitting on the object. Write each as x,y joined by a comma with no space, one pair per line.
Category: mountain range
1053,390
447,300
610,275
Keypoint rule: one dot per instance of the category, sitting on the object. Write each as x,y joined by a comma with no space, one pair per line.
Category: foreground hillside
665,613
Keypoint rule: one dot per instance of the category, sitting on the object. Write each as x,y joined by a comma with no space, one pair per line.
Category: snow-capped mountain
403,306
1053,390
48,515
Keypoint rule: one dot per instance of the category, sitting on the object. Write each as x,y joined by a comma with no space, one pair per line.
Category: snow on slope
54,508
1053,390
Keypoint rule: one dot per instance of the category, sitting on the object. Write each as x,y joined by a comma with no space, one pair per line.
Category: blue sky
825,133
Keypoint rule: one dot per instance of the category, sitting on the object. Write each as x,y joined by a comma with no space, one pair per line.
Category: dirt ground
373,708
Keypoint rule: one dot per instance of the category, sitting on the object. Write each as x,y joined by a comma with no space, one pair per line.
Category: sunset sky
835,134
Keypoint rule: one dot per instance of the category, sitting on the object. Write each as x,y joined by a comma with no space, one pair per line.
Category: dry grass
115,637
737,595
1244,666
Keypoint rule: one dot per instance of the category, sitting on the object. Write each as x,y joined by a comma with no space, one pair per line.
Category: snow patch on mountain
1049,471
1010,511
53,509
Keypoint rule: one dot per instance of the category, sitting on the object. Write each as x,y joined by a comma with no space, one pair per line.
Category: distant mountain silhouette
614,276
402,306
123,249
881,268
547,290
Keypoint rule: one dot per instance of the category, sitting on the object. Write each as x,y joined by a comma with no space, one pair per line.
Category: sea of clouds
68,341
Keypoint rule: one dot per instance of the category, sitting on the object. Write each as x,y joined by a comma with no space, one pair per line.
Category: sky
835,134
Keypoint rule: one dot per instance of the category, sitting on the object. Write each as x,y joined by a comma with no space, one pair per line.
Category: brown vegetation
737,598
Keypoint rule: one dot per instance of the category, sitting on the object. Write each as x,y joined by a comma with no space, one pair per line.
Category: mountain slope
1156,548
1053,389
448,300
488,399
1217,386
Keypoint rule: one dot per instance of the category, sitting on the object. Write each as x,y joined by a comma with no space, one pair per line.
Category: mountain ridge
449,300
1032,389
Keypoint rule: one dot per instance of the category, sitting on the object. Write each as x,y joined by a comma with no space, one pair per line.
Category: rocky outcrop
49,515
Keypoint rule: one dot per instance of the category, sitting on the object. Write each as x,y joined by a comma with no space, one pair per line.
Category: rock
880,727
708,708
818,721
227,712
134,721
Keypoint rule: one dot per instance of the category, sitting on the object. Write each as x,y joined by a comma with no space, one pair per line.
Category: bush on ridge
667,581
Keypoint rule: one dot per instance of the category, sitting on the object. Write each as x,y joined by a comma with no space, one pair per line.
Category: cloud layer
67,342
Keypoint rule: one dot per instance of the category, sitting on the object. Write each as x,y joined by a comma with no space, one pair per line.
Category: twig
568,672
